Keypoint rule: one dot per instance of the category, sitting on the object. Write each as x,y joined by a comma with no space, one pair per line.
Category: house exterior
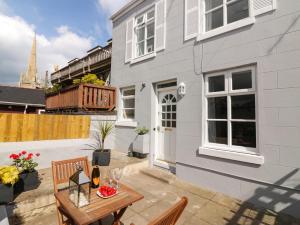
218,85
21,100
83,98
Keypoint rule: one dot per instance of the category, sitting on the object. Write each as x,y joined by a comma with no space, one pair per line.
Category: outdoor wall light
143,85
181,89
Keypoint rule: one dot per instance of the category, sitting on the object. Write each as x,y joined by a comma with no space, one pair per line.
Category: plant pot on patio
141,144
28,181
101,157
6,193
9,175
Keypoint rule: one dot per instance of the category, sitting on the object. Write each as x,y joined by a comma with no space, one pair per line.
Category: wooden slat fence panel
32,127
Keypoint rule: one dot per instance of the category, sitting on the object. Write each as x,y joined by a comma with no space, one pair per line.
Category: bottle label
96,181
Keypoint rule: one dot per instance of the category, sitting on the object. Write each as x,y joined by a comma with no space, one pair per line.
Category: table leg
118,215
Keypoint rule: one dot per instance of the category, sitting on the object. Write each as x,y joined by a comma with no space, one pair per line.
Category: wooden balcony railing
83,65
85,97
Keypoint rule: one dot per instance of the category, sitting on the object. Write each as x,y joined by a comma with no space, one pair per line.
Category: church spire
29,79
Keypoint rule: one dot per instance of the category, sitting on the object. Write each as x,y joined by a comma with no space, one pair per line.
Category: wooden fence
33,127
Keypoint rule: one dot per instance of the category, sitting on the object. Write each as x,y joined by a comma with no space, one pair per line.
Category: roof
126,8
17,95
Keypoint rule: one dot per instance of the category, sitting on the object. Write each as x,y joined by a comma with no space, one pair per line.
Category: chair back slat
62,170
171,216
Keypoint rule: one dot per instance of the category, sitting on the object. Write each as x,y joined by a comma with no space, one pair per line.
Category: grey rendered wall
273,45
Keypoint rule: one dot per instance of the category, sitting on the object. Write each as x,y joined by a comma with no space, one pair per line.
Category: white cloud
15,43
4,7
109,7
112,6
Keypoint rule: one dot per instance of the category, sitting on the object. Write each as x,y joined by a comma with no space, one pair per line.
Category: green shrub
54,89
141,130
89,79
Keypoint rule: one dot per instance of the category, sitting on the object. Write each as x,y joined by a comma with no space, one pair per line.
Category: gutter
126,9
18,103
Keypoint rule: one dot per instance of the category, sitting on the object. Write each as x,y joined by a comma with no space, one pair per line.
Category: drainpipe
25,108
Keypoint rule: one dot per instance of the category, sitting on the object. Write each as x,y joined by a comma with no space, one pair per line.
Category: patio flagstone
160,191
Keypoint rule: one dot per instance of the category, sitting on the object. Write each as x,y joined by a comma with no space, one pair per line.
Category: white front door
166,129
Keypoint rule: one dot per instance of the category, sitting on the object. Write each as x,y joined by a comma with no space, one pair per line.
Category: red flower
20,154
14,156
37,154
23,152
30,154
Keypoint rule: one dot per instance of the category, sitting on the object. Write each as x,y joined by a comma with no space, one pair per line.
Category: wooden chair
61,171
170,216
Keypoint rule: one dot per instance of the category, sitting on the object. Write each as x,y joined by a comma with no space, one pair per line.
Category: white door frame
156,123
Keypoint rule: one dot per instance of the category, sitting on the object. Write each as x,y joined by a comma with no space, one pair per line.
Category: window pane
168,115
129,92
217,108
237,10
243,107
140,34
216,83
244,134
174,108
150,30
214,19
139,20
168,123
174,116
163,123
150,45
128,113
173,123
210,4
128,103
217,132
150,15
242,80
141,48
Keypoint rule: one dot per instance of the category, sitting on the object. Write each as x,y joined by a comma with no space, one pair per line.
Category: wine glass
117,173
111,177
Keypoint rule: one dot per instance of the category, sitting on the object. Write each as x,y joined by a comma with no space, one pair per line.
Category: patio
160,189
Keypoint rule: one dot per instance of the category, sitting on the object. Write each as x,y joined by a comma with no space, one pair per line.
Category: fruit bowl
107,192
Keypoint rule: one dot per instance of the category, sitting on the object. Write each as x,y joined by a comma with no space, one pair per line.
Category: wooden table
99,208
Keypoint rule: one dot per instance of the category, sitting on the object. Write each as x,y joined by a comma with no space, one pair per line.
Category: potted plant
101,156
26,164
9,175
142,142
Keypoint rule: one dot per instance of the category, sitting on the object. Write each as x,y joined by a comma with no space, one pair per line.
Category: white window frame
145,23
228,92
121,108
226,27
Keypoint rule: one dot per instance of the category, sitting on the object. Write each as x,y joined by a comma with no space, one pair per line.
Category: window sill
142,58
236,156
226,28
124,123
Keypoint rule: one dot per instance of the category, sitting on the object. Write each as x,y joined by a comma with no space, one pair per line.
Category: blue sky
84,17
64,29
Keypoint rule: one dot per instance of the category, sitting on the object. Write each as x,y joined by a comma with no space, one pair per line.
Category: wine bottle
95,177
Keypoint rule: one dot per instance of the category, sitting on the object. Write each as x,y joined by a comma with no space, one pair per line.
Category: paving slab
204,208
